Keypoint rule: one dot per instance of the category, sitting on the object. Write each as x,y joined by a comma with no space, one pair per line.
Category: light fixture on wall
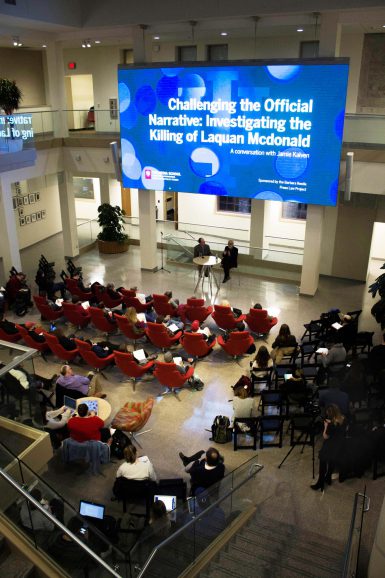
224,33
299,29
16,41
86,43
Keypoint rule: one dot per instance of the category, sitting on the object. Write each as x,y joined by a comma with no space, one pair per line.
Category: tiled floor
183,425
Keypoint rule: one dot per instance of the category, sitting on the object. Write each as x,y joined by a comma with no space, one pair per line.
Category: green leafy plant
378,286
111,220
10,96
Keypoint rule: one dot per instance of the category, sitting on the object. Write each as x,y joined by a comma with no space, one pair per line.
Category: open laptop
70,403
91,510
170,503
93,405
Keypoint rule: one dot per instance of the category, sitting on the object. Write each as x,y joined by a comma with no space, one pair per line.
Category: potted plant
10,98
112,238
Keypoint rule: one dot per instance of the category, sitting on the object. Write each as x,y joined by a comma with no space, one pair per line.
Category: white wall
88,208
115,192
377,250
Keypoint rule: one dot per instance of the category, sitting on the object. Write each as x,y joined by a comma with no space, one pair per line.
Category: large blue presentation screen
264,130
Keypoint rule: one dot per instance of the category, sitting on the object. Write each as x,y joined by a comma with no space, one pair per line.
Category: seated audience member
259,306
102,349
347,334
112,292
229,260
66,342
79,307
207,336
85,425
261,364
136,468
236,312
108,314
8,327
240,326
334,396
51,288
334,360
35,333
138,327
29,380
88,385
295,387
166,321
243,404
32,518
126,349
168,358
158,528
15,284
284,344
206,472
67,553
55,421
376,358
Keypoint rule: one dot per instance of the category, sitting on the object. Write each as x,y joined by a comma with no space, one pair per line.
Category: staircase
266,548
13,564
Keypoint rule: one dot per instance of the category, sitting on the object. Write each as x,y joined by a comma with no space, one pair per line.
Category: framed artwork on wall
43,214
37,197
14,202
38,216
22,221
28,220
25,200
21,211
83,188
31,197
33,217
19,201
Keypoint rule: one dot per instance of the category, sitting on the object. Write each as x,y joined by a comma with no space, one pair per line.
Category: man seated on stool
85,426
202,250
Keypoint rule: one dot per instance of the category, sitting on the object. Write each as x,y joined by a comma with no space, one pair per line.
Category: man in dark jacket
204,473
229,260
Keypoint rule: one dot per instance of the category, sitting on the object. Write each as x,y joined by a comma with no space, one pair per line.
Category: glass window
234,205
186,53
294,211
217,52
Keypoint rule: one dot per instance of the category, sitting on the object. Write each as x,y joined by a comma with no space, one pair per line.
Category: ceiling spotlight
223,33
88,44
97,41
299,29
156,37
20,44
383,26
15,40
84,44
44,46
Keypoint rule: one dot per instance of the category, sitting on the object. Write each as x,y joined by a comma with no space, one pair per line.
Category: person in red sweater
85,425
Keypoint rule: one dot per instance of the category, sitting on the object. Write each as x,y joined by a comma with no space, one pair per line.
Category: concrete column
10,249
68,214
257,224
312,251
56,88
105,189
147,228
330,37
147,201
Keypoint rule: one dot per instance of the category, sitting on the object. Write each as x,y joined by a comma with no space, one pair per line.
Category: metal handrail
169,236
192,522
25,354
348,549
57,523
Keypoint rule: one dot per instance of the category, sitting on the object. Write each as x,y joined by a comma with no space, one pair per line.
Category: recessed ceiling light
44,46
97,41
223,33
299,29
156,37
20,44
383,26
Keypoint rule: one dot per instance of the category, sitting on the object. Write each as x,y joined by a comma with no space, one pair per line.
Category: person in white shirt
56,423
136,468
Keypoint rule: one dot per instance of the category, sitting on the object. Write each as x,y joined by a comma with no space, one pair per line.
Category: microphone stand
161,256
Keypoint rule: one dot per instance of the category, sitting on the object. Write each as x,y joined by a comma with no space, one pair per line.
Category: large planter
112,247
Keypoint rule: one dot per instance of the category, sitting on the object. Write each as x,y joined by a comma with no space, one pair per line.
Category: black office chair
245,426
312,330
137,492
271,400
13,388
270,424
261,383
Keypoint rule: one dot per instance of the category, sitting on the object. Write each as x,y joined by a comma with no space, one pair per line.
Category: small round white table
207,264
104,408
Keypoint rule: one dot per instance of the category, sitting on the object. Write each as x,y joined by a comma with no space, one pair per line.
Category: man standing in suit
202,250
229,260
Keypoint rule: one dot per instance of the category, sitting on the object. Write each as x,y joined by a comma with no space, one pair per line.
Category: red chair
259,322
158,335
90,357
108,302
237,344
130,300
224,317
98,319
125,327
74,289
71,312
162,305
47,313
168,375
58,350
195,310
11,337
30,342
129,367
196,345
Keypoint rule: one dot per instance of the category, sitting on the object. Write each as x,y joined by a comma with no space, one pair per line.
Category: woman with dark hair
284,344
262,363
333,447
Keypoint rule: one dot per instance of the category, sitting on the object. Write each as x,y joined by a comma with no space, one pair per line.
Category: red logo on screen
147,174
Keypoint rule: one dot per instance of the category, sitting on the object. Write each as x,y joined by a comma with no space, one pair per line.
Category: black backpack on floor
221,430
119,442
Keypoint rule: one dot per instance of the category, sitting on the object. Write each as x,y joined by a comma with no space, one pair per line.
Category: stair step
215,570
15,566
